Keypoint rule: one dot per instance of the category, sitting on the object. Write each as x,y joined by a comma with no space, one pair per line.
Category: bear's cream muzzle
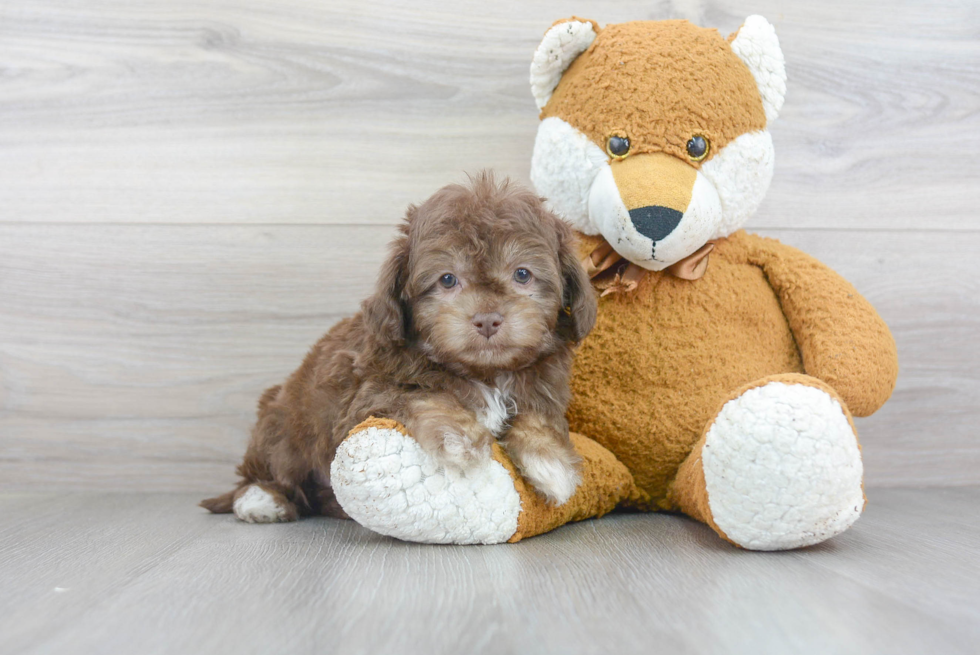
654,209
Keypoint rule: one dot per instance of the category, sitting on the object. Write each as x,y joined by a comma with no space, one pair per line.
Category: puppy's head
482,278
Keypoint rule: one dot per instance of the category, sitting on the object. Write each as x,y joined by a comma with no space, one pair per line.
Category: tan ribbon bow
611,273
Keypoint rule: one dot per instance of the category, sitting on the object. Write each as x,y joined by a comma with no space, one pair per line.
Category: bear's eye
697,148
522,275
617,147
448,281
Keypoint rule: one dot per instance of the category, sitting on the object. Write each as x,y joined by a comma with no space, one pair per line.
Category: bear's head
653,133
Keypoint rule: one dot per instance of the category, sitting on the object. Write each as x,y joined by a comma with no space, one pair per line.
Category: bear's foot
385,481
779,468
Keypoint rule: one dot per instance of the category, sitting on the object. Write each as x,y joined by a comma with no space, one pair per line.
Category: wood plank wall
192,191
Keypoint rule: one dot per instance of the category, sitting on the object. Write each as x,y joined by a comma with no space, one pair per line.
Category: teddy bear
724,370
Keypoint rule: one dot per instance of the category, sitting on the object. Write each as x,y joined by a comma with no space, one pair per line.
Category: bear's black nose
655,222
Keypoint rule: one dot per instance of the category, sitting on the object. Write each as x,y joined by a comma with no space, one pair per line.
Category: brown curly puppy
468,339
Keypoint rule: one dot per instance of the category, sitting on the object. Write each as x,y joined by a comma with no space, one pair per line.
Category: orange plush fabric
646,353
842,339
636,80
678,349
708,339
606,483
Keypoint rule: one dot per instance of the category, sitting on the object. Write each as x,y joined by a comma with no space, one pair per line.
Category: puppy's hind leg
271,472
263,502
255,502
257,499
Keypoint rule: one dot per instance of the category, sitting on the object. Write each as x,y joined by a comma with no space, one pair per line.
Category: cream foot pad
782,468
384,481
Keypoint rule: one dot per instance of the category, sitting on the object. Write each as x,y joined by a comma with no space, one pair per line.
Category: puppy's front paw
450,433
557,480
460,451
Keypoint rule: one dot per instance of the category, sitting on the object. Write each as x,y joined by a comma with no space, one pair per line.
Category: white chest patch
500,405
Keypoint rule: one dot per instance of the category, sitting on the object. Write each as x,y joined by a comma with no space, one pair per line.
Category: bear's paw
782,468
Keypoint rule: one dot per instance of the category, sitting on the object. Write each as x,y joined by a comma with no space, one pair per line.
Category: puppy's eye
697,148
618,147
448,281
522,275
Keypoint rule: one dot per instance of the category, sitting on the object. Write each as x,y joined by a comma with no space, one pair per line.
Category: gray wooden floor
119,573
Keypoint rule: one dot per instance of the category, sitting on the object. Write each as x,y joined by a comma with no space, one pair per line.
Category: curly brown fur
458,364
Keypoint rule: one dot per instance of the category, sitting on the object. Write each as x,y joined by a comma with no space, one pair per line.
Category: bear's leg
779,467
387,483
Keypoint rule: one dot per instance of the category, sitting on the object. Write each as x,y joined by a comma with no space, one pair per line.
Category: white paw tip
552,477
782,468
257,505
413,499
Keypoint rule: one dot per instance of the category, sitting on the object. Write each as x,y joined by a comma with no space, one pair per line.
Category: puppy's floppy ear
579,305
385,312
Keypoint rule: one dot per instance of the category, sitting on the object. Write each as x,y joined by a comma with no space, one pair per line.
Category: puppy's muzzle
487,324
656,189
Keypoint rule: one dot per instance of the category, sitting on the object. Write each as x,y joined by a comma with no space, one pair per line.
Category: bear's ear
756,44
565,41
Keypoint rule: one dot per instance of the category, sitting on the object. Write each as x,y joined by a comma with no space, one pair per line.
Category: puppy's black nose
655,222
487,324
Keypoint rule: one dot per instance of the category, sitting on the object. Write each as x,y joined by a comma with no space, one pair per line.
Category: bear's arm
842,339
